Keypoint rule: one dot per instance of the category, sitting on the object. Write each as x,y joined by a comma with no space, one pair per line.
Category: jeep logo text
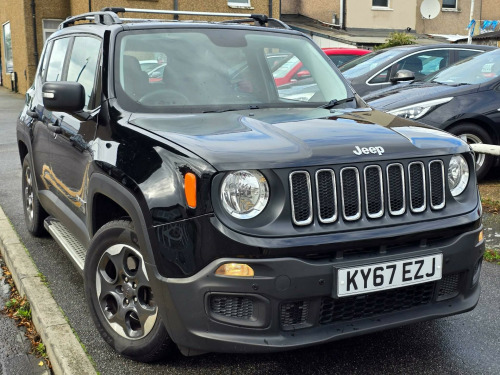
368,150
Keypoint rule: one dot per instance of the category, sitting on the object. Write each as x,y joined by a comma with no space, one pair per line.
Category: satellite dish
430,9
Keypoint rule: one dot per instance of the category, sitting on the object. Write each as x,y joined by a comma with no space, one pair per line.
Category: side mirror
303,74
403,75
63,96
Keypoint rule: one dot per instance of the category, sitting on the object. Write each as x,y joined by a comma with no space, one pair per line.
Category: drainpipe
471,17
90,6
270,8
176,7
33,13
342,14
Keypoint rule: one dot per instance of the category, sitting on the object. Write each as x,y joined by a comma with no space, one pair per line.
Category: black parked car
463,99
219,212
393,66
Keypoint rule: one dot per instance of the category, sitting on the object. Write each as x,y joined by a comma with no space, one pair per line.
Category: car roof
417,47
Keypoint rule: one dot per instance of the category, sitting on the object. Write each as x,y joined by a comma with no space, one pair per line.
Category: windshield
366,63
214,69
478,69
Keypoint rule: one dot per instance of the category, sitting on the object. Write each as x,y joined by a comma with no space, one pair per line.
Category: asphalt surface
15,348
462,344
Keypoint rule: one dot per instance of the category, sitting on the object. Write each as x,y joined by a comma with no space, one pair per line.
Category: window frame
233,4
449,8
381,7
65,61
97,86
8,69
393,64
45,29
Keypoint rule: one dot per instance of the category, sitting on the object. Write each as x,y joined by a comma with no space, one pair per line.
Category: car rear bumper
290,303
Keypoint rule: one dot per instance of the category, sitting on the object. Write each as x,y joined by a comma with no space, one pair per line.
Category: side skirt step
71,246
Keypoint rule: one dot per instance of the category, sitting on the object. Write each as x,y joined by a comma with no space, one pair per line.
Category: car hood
413,93
278,138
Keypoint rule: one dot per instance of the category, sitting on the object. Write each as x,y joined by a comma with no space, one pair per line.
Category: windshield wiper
232,109
334,102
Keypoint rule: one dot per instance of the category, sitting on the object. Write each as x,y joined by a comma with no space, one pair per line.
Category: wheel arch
482,121
23,150
109,200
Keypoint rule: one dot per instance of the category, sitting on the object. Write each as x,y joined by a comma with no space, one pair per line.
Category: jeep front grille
371,191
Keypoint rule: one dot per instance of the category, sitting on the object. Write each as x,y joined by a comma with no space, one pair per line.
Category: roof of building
490,35
357,37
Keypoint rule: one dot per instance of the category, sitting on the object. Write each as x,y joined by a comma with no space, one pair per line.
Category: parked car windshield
475,70
365,63
214,69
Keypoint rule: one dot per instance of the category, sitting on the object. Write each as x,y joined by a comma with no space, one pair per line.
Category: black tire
122,305
34,214
474,133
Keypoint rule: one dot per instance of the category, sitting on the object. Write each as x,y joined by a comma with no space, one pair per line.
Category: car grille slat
300,185
374,194
416,173
396,183
436,173
370,191
326,191
351,195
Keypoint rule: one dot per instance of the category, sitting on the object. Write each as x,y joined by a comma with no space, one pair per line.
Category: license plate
382,276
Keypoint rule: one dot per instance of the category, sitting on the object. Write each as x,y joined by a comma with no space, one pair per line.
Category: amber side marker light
235,269
480,236
190,189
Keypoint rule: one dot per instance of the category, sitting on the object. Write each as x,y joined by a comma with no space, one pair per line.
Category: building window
50,27
380,3
449,4
238,3
7,48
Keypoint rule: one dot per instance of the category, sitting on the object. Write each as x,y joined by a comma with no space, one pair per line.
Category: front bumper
289,303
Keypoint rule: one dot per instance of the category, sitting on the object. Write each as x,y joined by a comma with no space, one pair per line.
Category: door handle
32,114
55,127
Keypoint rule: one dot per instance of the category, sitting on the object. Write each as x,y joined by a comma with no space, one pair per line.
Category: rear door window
424,63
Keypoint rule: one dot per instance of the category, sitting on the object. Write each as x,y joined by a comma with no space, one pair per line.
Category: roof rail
262,19
271,22
100,18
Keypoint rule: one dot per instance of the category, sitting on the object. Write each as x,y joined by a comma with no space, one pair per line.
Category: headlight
244,194
415,111
458,175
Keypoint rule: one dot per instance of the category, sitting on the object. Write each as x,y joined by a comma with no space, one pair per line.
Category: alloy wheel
472,138
124,293
28,192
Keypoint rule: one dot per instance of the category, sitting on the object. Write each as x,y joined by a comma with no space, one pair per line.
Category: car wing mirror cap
63,96
403,75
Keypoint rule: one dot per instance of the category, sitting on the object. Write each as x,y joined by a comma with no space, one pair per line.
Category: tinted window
366,63
56,63
382,77
480,68
342,59
424,63
466,53
83,63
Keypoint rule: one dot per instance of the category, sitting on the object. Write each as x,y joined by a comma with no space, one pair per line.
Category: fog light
480,236
235,269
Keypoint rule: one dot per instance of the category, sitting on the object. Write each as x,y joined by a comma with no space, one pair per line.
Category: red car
292,70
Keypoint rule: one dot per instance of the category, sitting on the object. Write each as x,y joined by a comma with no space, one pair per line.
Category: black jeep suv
213,208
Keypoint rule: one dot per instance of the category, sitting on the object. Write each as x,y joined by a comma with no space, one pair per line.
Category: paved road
14,346
462,344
